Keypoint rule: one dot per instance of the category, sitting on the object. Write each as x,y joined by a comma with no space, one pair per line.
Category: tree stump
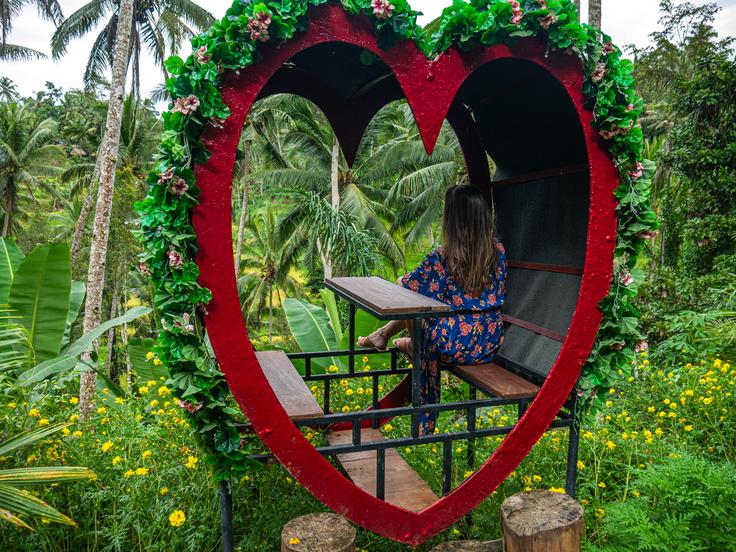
542,521
318,533
469,546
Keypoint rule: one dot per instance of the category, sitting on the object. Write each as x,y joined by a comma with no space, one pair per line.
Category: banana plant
317,330
15,501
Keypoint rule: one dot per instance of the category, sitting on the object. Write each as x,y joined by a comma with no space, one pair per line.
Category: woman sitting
469,273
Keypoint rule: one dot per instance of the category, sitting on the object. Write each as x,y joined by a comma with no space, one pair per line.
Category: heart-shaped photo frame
429,87
534,47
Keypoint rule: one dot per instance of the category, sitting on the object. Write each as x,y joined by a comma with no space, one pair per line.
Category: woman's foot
377,340
404,345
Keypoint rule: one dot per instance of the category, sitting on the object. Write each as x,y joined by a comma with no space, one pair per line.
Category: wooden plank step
494,379
288,385
403,488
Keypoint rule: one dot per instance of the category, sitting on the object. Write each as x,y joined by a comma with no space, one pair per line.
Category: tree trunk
270,312
9,206
595,13
101,229
244,206
318,532
81,224
577,6
335,173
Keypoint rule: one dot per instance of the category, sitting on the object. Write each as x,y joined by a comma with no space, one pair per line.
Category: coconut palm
8,90
267,267
162,26
49,10
27,155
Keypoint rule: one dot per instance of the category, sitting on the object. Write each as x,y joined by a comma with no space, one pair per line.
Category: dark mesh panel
535,352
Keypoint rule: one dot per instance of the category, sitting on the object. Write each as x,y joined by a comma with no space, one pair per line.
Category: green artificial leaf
10,258
40,294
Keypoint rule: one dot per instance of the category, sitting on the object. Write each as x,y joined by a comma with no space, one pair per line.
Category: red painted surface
429,88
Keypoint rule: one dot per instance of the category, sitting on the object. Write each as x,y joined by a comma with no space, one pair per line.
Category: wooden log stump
318,533
542,521
469,546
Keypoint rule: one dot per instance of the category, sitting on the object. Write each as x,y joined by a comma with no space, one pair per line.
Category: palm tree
267,266
595,16
105,168
8,90
27,153
9,9
161,25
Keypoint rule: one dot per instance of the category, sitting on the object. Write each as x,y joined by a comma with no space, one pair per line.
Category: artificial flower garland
233,43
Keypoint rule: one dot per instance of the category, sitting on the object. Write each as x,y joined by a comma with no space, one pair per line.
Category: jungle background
657,454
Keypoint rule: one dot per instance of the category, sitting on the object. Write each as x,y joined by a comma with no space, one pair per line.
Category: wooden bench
288,385
403,486
492,378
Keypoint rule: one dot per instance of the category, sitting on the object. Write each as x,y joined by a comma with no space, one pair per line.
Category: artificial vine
234,43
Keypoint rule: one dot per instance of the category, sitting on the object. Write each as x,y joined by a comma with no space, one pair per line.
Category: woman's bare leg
379,338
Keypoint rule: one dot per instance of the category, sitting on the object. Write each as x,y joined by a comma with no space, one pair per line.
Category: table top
385,300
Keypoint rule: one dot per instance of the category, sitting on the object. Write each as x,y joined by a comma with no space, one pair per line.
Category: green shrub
684,504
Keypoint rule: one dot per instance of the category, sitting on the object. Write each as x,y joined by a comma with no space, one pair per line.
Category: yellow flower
119,400
141,471
581,465
611,445
191,462
146,454
346,409
708,400
344,382
332,368
294,540
602,485
359,391
143,390
106,446
600,512
557,490
117,460
77,433
688,428
658,431
349,392
164,391
101,410
163,490
73,400
12,405
689,392
388,427
128,473
468,474
65,432
177,518
612,391
157,362
536,478
150,355
43,422
651,409
34,413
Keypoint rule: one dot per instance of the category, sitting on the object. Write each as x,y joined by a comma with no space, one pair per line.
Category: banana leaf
10,258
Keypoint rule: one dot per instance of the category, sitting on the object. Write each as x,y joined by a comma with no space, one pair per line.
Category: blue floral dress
458,340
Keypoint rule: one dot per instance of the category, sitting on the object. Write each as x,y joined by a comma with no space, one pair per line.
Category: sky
627,21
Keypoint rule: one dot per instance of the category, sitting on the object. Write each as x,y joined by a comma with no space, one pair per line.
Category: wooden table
387,301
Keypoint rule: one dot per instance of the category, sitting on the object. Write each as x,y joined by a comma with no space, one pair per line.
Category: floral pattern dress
458,340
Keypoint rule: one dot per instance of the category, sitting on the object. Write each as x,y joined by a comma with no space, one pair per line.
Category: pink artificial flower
165,176
175,260
547,21
630,107
608,48
186,106
258,26
178,187
187,326
626,278
648,234
202,55
143,269
382,9
641,346
516,13
189,407
599,73
638,172
543,3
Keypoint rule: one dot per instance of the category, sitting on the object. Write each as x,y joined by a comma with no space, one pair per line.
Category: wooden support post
542,521
469,546
318,533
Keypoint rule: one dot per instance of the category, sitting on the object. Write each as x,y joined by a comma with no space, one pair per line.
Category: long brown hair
469,238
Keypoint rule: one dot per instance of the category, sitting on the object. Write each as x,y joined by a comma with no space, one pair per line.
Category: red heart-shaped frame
429,87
